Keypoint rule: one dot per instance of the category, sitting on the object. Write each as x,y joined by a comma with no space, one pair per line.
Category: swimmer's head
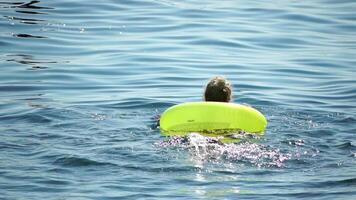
218,89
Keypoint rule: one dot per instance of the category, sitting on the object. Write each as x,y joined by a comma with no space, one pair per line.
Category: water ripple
82,84
74,161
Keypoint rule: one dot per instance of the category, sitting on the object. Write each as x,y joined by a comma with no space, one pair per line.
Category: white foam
210,149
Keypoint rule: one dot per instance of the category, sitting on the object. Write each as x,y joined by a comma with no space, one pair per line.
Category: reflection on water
28,5
23,7
4,4
21,35
30,60
25,20
28,9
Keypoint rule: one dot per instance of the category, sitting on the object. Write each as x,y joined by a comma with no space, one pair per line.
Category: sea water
81,83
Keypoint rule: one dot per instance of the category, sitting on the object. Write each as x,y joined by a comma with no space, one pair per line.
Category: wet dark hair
218,89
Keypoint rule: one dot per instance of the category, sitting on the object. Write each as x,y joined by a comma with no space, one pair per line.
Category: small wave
334,183
29,117
138,103
73,161
345,182
52,181
7,145
346,120
346,146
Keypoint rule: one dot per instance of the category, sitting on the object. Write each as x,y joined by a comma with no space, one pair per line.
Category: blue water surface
82,81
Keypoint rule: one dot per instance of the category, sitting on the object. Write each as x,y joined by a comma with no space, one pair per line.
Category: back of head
218,89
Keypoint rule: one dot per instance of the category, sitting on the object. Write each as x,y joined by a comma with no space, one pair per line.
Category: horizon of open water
82,81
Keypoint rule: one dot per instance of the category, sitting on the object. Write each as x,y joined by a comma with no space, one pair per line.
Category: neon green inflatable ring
210,118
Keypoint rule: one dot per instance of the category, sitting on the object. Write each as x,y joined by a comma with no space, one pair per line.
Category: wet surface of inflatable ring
208,117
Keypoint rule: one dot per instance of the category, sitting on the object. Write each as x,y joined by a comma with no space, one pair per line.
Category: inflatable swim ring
211,117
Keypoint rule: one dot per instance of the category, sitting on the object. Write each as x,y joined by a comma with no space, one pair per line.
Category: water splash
210,149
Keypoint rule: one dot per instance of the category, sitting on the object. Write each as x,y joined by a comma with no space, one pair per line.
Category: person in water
218,89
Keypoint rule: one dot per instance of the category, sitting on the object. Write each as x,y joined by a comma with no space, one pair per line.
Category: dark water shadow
25,8
26,5
10,4
24,35
31,5
34,63
29,9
